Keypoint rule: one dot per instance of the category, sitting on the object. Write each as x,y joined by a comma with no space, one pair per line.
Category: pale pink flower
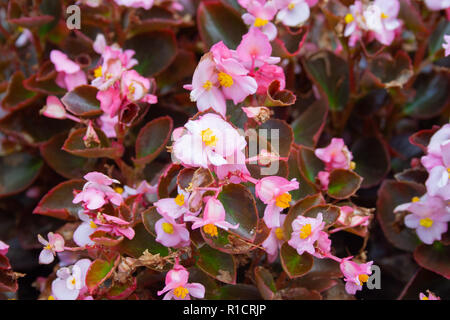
135,87
437,148
82,233
274,192
108,124
143,188
170,233
381,19
54,108
446,45
292,12
209,140
146,4
70,283
213,217
350,219
54,244
335,156
174,207
355,275
234,171
436,5
267,73
255,50
259,15
69,74
274,241
431,296
355,23
113,225
97,191
3,248
178,287
110,100
305,233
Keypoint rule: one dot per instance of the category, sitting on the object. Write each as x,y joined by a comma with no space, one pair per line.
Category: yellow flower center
119,190
93,225
98,72
179,199
415,199
384,15
180,292
207,85
131,89
48,247
352,165
283,200
448,170
426,222
210,229
291,6
424,298
51,298
279,233
363,278
167,227
305,231
208,137
73,281
225,80
260,22
349,18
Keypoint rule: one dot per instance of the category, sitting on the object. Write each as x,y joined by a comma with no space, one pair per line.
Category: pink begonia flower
355,275
54,108
82,234
178,287
429,216
69,74
259,16
90,3
174,207
349,219
135,87
292,12
54,244
233,172
274,192
436,5
71,282
170,233
213,217
446,45
143,188
110,100
113,225
306,232
437,149
381,18
336,155
255,112
3,248
97,191
255,49
274,241
108,124
233,76
205,87
431,296
355,23
266,74
209,140
25,37
146,4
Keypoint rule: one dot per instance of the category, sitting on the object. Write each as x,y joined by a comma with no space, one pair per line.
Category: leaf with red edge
295,265
8,281
422,138
217,264
279,98
17,172
411,16
435,257
391,194
279,135
307,187
17,96
47,86
142,241
152,139
309,125
149,218
64,163
343,184
265,283
330,213
391,71
82,101
74,144
372,160
121,291
155,51
219,22
167,183
310,165
58,201
288,42
105,239
15,15
99,271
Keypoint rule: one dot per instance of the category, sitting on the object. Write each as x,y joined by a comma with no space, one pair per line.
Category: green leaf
142,241
217,264
82,101
435,257
149,218
309,125
279,136
392,71
310,165
265,283
437,37
17,96
295,265
330,213
152,139
98,272
219,22
343,184
307,187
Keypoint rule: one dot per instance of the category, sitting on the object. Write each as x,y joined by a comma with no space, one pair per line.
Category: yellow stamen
349,18
279,233
448,170
180,292
93,225
291,6
179,199
305,231
131,89
73,281
283,200
352,165
211,230
363,278
260,22
167,227
98,72
225,80
424,298
207,85
119,190
208,137
384,16
415,199
426,222
48,247
51,298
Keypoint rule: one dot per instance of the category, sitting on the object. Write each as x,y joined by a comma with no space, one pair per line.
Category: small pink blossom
69,74
178,287
436,5
110,100
381,19
446,45
54,108
113,225
108,124
292,12
135,87
274,192
54,244
431,296
336,155
3,248
305,232
274,241
170,233
355,275
145,4
70,283
355,23
174,207
259,15
437,149
266,74
255,49
82,233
